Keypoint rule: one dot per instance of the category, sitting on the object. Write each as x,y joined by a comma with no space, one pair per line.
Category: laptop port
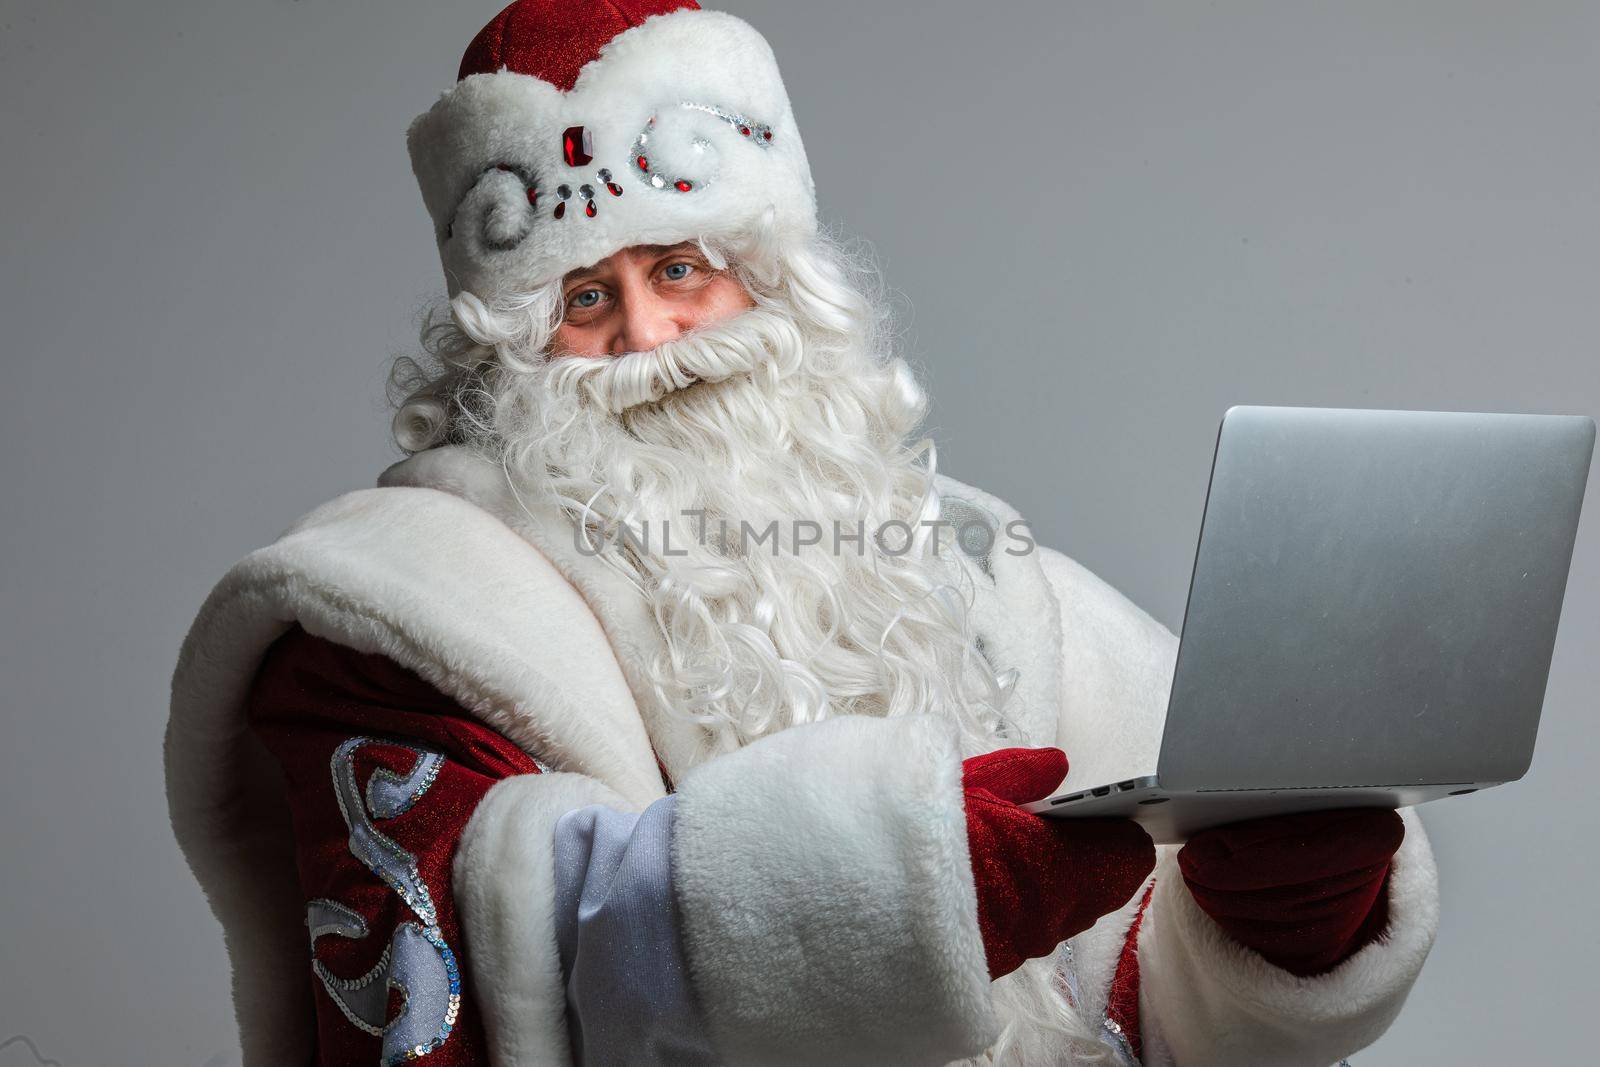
1123,787
1104,790
1066,800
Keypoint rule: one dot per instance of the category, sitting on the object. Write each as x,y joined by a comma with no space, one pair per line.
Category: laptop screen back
1375,598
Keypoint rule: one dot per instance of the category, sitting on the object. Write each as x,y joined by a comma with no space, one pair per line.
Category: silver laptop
1371,616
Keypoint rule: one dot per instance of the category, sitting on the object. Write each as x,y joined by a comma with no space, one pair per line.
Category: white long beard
739,426
756,419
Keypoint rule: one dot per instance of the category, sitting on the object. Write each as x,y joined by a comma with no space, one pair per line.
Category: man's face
641,297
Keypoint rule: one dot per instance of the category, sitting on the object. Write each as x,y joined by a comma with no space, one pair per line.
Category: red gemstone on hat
576,146
589,209
767,134
745,130
684,185
533,196
616,190
644,164
561,209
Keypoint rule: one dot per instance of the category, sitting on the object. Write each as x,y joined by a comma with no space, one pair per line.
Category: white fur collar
1014,612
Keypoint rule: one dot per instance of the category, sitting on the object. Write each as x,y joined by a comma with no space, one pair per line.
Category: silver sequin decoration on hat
662,171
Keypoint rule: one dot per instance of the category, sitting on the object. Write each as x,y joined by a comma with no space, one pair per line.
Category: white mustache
745,343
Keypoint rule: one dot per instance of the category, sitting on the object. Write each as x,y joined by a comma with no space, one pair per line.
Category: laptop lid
1375,598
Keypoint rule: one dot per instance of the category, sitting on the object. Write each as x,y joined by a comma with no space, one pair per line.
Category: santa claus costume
464,781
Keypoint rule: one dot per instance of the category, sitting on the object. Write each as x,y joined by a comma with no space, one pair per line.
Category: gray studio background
1112,220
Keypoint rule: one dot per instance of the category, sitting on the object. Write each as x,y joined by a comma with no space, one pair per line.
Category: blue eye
677,271
586,299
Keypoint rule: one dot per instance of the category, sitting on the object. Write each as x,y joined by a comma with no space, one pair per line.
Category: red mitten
1040,880
1305,891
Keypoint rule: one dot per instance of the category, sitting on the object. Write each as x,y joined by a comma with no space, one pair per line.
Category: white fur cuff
828,906
1219,1002
505,888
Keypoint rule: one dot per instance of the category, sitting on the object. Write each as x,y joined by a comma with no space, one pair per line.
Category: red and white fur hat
580,127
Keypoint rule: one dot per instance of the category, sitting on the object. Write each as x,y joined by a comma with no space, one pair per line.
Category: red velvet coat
441,579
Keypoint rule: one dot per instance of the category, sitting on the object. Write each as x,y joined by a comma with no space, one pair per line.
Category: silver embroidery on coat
389,795
975,530
331,917
417,961
1111,1034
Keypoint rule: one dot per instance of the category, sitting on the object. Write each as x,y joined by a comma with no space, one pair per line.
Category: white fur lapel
622,611
440,587
1014,611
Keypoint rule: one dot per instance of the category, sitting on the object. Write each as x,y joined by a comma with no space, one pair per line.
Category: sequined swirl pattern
660,159
417,962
